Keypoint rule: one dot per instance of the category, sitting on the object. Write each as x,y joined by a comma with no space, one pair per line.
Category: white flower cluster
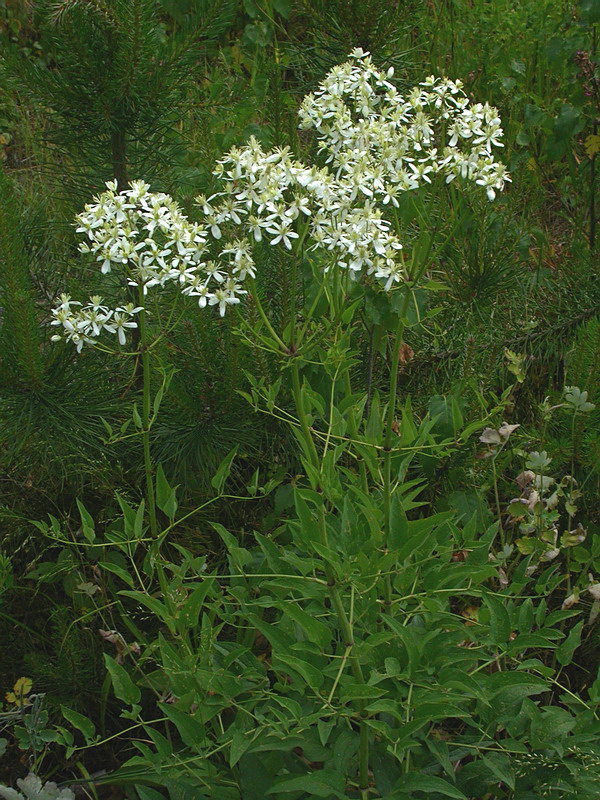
81,326
382,143
378,144
146,235
279,199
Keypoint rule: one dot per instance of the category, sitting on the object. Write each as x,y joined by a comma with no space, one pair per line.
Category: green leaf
239,555
165,495
518,509
124,688
500,766
469,504
151,603
158,398
325,726
164,747
321,783
360,691
569,122
278,640
446,413
83,724
578,399
191,610
137,420
537,461
566,650
428,712
316,630
117,570
312,675
129,514
138,524
307,521
283,7
499,620
146,793
525,616
224,470
240,742
405,634
440,750
87,523
255,778
428,784
453,678
107,426
191,731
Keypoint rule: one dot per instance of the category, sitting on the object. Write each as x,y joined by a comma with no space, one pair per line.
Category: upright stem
363,760
119,164
314,460
371,365
304,426
296,260
497,499
332,588
593,195
387,446
263,314
354,432
145,352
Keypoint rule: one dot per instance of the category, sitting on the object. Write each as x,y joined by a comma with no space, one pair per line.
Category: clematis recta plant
376,145
341,218
338,221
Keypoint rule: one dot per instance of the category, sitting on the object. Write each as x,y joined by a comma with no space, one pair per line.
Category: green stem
145,353
332,588
317,338
305,326
573,444
387,447
363,761
292,302
311,450
497,498
297,258
354,432
263,315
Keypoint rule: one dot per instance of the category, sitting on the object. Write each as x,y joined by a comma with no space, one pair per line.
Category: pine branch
21,334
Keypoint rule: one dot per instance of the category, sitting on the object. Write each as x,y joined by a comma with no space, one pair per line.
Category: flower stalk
332,582
387,446
146,401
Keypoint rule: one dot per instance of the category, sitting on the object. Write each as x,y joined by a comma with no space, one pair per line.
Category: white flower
357,111
282,233
119,323
226,296
203,294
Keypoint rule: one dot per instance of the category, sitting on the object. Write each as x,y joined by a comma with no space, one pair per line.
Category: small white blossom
146,236
376,144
